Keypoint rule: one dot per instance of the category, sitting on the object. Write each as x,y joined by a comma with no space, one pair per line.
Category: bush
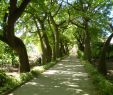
3,78
80,54
104,86
13,82
26,76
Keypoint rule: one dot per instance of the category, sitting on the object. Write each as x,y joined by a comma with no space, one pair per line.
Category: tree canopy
49,28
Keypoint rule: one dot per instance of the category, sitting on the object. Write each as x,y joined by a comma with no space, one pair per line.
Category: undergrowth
9,83
104,86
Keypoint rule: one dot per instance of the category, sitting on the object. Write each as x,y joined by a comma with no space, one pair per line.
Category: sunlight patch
80,74
60,64
32,83
50,72
78,90
72,85
56,86
65,60
11,94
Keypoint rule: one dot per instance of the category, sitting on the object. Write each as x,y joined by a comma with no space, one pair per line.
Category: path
68,77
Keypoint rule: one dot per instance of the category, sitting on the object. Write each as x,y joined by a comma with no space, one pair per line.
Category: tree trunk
46,41
81,46
42,43
102,63
8,32
66,49
56,35
48,48
17,45
23,57
87,48
53,37
43,49
53,49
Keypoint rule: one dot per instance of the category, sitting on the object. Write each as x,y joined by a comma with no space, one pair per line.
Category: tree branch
57,10
2,38
111,26
74,23
61,23
16,13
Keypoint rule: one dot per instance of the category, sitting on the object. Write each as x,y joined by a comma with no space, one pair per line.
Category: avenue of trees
54,26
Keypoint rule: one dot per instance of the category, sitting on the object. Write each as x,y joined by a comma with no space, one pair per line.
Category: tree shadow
68,77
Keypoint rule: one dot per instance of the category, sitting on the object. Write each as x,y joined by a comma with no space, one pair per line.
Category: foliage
97,47
11,82
26,76
68,20
104,86
80,54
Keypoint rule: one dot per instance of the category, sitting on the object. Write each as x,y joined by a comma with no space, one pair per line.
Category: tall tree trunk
23,57
57,41
87,48
9,36
44,37
56,35
17,45
42,44
66,49
53,37
46,41
102,60
48,48
43,49
62,49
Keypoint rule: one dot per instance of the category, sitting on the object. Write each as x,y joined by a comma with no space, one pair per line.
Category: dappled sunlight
39,68
60,64
51,72
11,94
65,60
32,83
78,90
71,85
63,79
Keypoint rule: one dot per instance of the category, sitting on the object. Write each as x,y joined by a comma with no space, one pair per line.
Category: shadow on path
68,77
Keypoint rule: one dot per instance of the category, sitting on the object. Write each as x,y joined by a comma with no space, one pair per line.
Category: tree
85,14
102,60
9,21
56,21
39,17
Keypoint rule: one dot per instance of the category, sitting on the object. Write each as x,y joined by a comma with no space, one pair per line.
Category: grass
104,86
14,82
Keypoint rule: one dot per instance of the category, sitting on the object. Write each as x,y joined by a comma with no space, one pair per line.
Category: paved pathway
68,77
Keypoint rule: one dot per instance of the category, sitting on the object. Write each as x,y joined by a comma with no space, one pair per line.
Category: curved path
68,77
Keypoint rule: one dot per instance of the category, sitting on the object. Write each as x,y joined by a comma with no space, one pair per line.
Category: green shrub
12,82
104,86
80,54
49,65
35,73
3,78
26,76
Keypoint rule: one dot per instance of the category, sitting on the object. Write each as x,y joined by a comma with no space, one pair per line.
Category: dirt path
68,77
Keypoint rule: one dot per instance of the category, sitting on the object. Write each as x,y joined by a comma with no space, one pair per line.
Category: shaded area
68,77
